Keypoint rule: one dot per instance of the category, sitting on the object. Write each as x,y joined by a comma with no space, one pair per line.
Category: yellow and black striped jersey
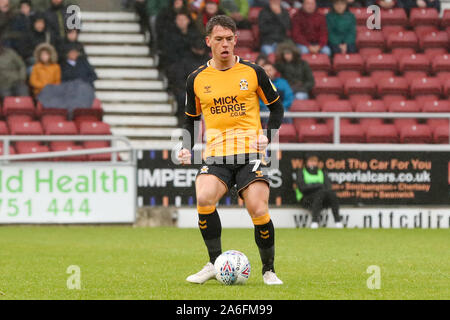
229,103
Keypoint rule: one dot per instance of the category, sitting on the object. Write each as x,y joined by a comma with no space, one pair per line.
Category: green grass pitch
145,263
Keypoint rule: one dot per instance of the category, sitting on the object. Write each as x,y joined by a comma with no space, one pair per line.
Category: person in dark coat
71,40
56,17
313,191
165,20
274,23
77,67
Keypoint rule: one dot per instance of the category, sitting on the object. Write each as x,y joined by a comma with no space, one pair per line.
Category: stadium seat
370,106
59,148
256,35
387,30
322,98
426,86
328,85
394,16
393,86
324,10
348,74
318,62
367,123
42,111
424,29
404,106
422,16
432,53
356,98
95,128
438,39
402,39
384,133
305,106
50,118
242,50
27,149
381,62
414,62
26,128
246,38
441,135
370,38
18,105
436,106
301,122
416,133
93,114
367,52
61,128
11,149
342,62
361,15
250,56
441,63
404,122
253,14
377,75
319,74
287,133
360,86
437,122
315,133
4,131
445,21
412,75
337,106
352,133
398,53
447,88
422,99
18,118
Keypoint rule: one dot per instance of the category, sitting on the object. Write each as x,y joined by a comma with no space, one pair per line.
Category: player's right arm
192,117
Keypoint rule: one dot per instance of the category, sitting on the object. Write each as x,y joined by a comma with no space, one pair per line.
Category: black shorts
238,173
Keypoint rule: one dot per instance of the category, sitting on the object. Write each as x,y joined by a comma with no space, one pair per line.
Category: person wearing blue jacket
283,88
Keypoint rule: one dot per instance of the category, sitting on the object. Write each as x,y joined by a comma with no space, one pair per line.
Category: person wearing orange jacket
46,70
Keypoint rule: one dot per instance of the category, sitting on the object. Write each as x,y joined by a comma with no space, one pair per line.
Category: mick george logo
229,105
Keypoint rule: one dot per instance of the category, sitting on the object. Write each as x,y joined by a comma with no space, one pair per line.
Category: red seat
287,133
301,122
328,85
256,34
347,74
95,128
367,123
404,106
441,135
51,118
402,39
42,111
361,15
421,16
360,86
367,52
59,148
93,114
322,98
384,133
318,62
319,74
324,10
436,106
4,131
315,133
387,30
381,62
445,21
253,14
433,53
447,88
26,128
417,133
393,86
305,106
412,75
370,38
250,56
443,76
343,62
246,38
61,128
242,50
424,29
414,62
356,98
337,106
352,133
404,122
400,52
377,75
27,149
437,122
394,16
438,39
441,63
18,105
11,150
425,86
370,106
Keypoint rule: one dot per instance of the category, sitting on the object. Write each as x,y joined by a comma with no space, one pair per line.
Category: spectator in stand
77,67
28,41
179,72
6,19
46,70
274,23
295,70
324,3
13,73
341,25
71,39
283,88
23,20
56,17
150,9
165,21
309,29
238,11
409,4
262,60
356,3
210,10
177,42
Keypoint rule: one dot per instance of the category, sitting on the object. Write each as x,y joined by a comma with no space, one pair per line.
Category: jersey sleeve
266,89
193,108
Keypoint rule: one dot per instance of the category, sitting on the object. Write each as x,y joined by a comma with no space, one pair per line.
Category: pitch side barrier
36,190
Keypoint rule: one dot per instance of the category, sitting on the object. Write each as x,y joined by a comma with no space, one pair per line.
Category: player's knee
258,211
205,199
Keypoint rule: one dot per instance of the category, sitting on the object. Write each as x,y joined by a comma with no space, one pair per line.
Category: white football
232,267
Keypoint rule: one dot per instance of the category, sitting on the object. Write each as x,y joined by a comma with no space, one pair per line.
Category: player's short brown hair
220,20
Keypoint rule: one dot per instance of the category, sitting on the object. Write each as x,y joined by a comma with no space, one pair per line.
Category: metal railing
114,150
337,116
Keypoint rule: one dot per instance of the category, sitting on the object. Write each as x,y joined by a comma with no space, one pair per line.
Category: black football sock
211,229
265,240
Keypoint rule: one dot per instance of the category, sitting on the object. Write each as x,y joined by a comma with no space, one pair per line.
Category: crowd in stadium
283,32
38,49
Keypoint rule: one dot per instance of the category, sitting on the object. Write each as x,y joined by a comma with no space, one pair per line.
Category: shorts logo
244,85
204,169
259,174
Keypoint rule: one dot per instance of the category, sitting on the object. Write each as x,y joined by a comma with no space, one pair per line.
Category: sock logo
264,234
202,224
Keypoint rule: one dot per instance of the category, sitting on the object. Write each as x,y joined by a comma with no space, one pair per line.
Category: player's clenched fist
184,156
261,144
